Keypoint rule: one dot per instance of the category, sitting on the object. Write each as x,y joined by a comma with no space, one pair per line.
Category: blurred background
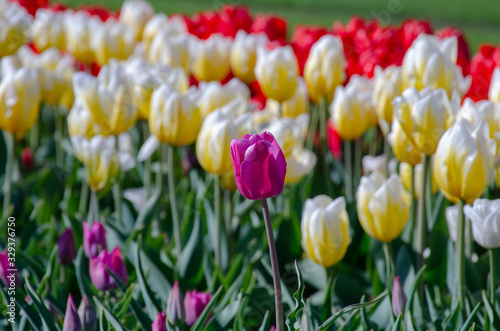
480,19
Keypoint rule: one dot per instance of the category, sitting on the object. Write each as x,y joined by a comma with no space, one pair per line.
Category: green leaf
198,325
325,326
152,305
265,322
398,324
409,321
189,264
109,316
29,312
82,279
414,288
293,319
470,318
47,319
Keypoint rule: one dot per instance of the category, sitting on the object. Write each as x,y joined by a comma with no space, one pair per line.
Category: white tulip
485,217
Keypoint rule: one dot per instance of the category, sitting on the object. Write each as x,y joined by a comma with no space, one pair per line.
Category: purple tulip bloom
94,239
194,303
7,276
67,250
160,322
259,166
98,273
71,318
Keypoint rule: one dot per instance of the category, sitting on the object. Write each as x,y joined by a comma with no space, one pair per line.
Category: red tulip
32,6
96,10
274,27
334,140
411,28
232,19
463,47
481,69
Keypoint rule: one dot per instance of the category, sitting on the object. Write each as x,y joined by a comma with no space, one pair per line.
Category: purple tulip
9,278
194,303
87,314
398,297
160,322
94,239
71,318
98,273
175,307
259,166
67,250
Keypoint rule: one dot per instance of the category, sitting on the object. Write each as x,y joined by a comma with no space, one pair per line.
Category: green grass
480,19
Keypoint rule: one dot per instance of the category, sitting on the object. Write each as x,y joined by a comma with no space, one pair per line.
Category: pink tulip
100,276
259,166
7,274
71,318
94,239
398,297
175,309
160,322
67,250
194,303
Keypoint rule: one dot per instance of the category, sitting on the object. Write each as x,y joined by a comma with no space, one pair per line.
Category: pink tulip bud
100,276
87,315
175,308
71,318
94,239
27,158
67,250
160,322
398,297
259,166
9,278
194,303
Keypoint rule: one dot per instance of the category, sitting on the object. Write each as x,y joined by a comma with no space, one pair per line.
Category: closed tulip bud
352,108
160,322
67,250
94,239
211,58
405,173
100,276
431,62
212,145
108,97
172,49
112,40
175,118
295,106
152,28
494,91
425,116
48,30
464,161
15,25
135,14
398,297
402,147
259,166
325,68
244,54
325,230
383,206
19,101
175,305
86,312
451,213
485,217
79,27
388,85
80,121
215,95
277,71
71,319
194,304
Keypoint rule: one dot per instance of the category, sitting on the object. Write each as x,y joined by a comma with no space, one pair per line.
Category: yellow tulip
175,118
15,25
212,145
152,28
402,147
227,182
210,58
112,40
169,48
244,54
80,121
424,116
108,97
383,206
405,173
325,68
215,95
80,27
352,108
431,62
388,85
464,161
298,104
19,101
497,176
325,230
48,30
135,14
277,71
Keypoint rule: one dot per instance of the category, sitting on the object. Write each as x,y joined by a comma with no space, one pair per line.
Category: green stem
469,242
492,277
173,199
84,196
357,164
413,204
313,123
93,208
147,163
117,195
388,266
323,109
34,133
280,325
460,256
387,154
348,170
59,123
428,195
422,222
218,220
10,144
159,173
228,205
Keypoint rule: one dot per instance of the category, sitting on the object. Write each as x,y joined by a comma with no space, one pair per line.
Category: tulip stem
460,256
93,208
313,122
412,205
387,154
348,169
492,277
323,109
147,163
389,268
228,205
159,173
173,200
10,144
218,220
280,326
117,195
34,133
422,222
59,124
357,163
84,196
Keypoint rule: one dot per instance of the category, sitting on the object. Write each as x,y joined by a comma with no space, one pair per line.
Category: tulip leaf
293,319
471,317
145,216
200,322
398,324
450,324
265,322
414,288
409,321
434,314
152,305
329,322
30,313
109,316
47,319
189,263
82,279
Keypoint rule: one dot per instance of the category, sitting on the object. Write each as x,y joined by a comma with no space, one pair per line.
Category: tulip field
225,169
